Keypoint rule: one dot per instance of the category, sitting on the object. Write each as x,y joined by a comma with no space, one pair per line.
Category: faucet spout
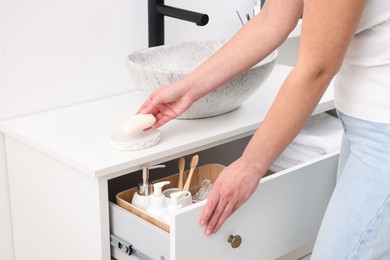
156,12
181,14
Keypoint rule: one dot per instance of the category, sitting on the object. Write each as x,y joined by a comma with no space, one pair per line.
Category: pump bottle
157,206
141,198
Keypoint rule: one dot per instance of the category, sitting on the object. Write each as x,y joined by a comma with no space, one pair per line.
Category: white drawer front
284,213
145,237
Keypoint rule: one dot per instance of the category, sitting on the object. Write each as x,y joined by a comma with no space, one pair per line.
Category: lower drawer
284,213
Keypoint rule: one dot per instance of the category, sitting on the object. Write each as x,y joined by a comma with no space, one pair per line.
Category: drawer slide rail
127,248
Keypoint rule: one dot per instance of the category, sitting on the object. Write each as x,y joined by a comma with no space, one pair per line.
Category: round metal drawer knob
235,241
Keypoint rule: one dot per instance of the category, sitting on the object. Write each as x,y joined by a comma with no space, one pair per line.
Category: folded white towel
322,134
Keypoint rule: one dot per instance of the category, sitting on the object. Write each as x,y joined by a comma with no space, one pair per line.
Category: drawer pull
235,241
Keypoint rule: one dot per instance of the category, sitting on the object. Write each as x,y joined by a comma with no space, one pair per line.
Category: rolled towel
322,134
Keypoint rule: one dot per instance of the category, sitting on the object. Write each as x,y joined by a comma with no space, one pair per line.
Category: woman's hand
235,184
167,103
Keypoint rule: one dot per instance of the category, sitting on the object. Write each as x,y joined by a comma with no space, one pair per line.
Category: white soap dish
142,140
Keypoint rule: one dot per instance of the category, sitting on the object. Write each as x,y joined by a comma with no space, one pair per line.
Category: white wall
223,22
6,249
56,53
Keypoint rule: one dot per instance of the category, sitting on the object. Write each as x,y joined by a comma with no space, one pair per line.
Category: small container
174,203
203,192
184,200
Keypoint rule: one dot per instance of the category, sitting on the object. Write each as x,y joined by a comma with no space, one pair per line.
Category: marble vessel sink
158,66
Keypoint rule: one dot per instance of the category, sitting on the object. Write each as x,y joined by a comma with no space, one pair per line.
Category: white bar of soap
138,123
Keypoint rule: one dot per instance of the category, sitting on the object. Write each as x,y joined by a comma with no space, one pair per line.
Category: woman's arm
255,41
327,29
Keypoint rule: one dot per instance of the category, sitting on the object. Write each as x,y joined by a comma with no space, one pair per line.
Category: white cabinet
60,165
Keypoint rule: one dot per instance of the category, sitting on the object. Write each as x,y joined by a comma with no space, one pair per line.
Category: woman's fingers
233,187
228,211
161,119
211,211
215,213
220,205
151,103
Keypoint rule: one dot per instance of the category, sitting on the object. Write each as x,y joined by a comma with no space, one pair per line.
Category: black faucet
156,12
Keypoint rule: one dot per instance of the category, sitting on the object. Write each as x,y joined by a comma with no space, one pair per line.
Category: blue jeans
356,224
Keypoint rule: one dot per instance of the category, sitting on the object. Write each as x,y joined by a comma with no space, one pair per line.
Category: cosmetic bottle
157,206
141,198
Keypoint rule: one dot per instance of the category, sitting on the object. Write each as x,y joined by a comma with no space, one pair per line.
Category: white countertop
78,135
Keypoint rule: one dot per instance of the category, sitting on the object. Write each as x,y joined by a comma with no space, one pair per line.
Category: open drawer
284,213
